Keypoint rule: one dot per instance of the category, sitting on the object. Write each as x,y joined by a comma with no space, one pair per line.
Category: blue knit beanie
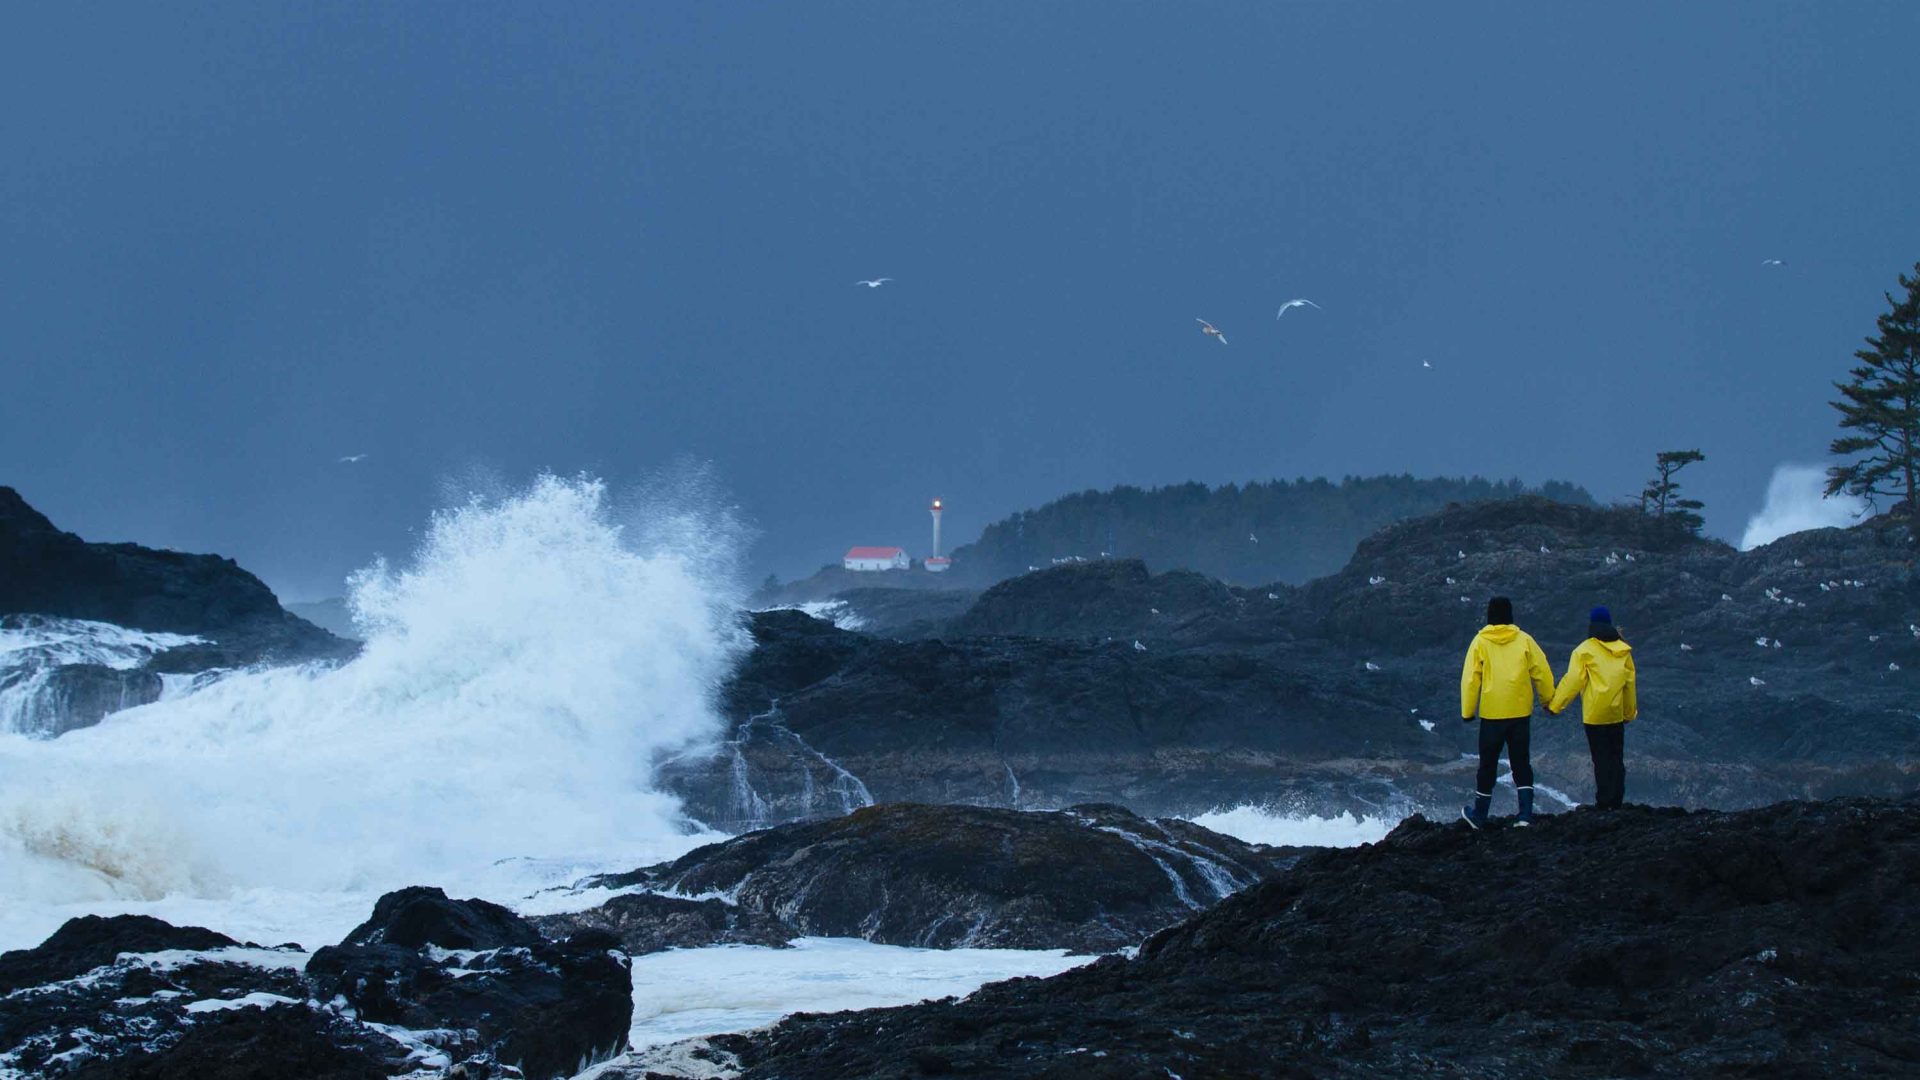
1600,614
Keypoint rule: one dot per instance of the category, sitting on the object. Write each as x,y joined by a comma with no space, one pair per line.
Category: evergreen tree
1661,497
1880,406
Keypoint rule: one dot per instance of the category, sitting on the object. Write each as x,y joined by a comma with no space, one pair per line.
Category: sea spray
519,677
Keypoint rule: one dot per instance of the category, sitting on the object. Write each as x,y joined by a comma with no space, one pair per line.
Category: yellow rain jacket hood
1504,670
1601,672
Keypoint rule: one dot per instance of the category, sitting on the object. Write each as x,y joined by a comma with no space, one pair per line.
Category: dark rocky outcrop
488,977
649,923
47,574
90,941
50,572
1090,879
830,721
419,916
1773,942
1172,694
449,981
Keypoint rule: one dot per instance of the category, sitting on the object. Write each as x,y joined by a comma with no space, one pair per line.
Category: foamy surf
687,993
518,680
1260,825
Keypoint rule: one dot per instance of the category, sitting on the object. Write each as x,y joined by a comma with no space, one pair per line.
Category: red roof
875,552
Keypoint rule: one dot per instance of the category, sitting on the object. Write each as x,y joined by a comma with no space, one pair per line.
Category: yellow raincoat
1601,672
1504,670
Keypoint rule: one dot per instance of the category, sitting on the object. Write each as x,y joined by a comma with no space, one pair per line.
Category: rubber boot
1526,806
1476,814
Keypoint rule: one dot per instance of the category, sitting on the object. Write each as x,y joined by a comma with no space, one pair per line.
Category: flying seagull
1773,262
351,458
875,283
1297,302
1210,330
1426,363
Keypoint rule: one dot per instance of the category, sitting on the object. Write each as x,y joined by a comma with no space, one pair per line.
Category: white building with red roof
876,558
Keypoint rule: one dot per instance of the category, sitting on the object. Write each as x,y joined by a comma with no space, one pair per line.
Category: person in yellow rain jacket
1601,672
1503,674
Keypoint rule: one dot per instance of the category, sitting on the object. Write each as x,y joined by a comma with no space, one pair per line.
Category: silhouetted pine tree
1880,406
1661,497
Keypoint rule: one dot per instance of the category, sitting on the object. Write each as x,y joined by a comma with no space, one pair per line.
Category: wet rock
91,941
484,981
132,996
649,923
1175,695
1780,941
56,574
421,915
114,997
257,1044
1090,879
829,721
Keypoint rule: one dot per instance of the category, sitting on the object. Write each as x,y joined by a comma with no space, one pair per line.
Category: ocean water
520,671
688,993
1262,825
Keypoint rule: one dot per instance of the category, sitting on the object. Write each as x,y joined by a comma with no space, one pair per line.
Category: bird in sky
1210,330
874,283
1426,363
352,458
1773,262
1297,302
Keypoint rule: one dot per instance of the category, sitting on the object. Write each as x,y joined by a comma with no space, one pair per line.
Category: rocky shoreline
1780,673
1781,941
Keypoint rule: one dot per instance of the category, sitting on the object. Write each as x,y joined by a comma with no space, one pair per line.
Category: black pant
1512,734
1607,742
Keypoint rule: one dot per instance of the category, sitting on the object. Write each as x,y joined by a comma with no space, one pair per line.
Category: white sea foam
685,993
33,647
838,612
43,639
519,678
1260,825
1796,502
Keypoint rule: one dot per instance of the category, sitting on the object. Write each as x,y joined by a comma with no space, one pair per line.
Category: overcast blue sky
241,241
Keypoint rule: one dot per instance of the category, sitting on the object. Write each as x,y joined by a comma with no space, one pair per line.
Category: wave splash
519,678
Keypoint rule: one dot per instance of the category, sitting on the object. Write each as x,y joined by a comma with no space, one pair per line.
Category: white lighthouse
936,562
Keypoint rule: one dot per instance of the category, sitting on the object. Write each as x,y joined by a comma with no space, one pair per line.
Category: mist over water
520,674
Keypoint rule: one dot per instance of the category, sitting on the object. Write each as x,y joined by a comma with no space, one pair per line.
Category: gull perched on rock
1300,301
1210,330
874,283
1371,666
1756,680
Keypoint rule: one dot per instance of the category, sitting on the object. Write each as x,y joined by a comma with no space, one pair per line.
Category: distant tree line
1250,534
